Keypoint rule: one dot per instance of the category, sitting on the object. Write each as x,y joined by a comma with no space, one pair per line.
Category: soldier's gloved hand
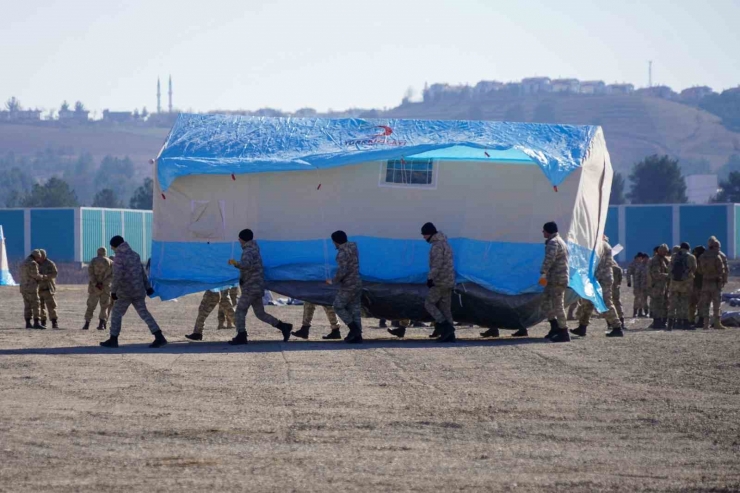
232,262
113,296
543,281
430,283
149,291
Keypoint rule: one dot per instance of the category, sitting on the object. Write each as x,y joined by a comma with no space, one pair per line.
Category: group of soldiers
679,286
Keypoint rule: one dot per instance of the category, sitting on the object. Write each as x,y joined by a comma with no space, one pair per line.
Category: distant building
437,92
117,116
620,89
571,86
486,87
513,88
20,116
701,188
593,87
534,85
694,94
68,115
663,92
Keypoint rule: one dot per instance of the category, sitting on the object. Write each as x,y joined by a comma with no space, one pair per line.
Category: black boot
447,333
621,323
699,323
382,324
86,326
285,328
670,324
112,342
38,325
436,332
520,333
334,334
553,329
399,332
28,324
239,340
615,332
561,336
635,313
580,331
159,340
492,332
661,323
102,325
54,323
194,336
302,332
355,334
43,322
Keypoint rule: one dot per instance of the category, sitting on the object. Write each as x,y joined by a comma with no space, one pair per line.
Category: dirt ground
653,411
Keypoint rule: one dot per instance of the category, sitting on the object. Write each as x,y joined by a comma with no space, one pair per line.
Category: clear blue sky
248,54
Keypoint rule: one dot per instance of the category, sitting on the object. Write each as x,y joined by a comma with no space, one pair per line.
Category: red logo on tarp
382,138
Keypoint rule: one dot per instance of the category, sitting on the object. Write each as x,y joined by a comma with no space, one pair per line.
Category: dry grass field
654,411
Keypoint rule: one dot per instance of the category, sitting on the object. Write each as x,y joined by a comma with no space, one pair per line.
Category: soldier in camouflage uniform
712,269
252,283
605,276
637,280
683,267
348,300
617,292
130,286
47,290
100,275
658,277
441,282
308,311
29,286
554,276
211,299
233,294
695,298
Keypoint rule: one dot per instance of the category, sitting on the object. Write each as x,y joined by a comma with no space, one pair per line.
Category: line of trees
56,192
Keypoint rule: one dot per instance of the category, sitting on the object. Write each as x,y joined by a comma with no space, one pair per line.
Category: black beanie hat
246,235
685,246
339,237
116,241
428,229
550,228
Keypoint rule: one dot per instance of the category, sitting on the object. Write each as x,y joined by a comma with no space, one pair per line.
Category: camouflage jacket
555,265
637,274
686,285
100,271
618,275
604,271
30,276
658,272
347,276
48,269
251,271
723,258
712,270
441,262
129,279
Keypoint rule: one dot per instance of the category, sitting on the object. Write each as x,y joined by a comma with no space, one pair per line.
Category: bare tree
79,107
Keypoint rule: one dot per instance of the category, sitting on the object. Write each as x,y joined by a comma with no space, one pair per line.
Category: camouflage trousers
553,304
439,304
120,308
210,301
348,306
98,297
47,302
309,309
252,299
110,307
659,302
711,297
587,309
640,298
30,305
678,305
233,295
617,300
695,306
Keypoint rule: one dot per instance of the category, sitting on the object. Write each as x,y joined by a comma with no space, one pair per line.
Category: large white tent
489,186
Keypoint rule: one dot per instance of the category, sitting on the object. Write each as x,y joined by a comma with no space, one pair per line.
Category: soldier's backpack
680,268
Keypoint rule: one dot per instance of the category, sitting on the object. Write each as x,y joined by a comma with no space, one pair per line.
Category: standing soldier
252,282
723,258
441,282
713,273
47,289
683,267
233,294
100,275
554,277
308,311
658,272
605,276
211,299
130,286
637,280
348,301
695,299
30,279
617,292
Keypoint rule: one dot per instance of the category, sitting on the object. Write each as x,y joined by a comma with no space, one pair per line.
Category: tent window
416,173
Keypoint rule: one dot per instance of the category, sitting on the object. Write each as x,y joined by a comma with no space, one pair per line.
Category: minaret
159,97
170,94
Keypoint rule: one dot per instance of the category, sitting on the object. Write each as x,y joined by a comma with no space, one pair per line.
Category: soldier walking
554,276
47,290
211,299
348,300
441,282
100,275
130,286
617,274
29,286
637,280
658,278
308,311
713,272
233,294
605,276
252,283
683,267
